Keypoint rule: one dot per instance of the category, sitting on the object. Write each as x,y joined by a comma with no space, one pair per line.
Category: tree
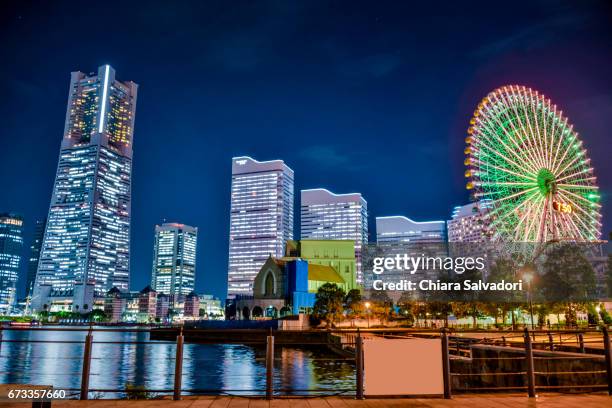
469,302
605,316
568,278
381,304
592,315
353,303
329,303
407,306
506,301
97,315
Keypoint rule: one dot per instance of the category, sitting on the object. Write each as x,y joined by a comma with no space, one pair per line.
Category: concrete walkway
472,401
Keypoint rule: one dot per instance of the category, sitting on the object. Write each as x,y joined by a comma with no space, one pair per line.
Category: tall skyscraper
402,229
11,241
87,239
468,223
39,234
174,259
325,215
261,218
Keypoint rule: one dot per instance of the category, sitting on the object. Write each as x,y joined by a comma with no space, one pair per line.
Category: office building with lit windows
11,242
399,229
329,216
174,259
39,234
469,222
261,218
87,240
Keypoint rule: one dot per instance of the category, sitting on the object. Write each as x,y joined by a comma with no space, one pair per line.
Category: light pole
367,306
527,273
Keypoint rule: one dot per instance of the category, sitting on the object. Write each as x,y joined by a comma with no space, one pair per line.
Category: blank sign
403,367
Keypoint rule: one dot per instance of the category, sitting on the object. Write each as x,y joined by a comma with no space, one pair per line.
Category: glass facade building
174,259
87,239
261,218
402,229
11,242
329,216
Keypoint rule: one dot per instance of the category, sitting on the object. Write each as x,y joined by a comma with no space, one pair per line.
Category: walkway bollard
359,365
530,365
178,366
608,353
581,342
446,365
86,365
270,367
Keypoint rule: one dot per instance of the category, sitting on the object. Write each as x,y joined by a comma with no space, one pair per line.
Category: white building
402,229
174,259
261,218
325,215
469,222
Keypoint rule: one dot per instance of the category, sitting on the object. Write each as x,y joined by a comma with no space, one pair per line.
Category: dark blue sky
369,97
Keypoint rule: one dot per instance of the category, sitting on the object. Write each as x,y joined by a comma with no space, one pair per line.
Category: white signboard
403,367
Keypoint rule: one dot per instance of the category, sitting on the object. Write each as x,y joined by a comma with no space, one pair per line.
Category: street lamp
367,306
527,272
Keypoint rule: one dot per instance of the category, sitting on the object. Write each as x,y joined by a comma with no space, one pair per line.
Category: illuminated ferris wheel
525,157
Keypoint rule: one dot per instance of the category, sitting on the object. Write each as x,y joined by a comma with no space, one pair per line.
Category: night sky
368,97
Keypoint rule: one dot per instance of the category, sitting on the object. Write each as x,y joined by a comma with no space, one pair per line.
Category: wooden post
359,366
581,342
551,343
530,365
178,366
86,365
270,367
608,354
446,365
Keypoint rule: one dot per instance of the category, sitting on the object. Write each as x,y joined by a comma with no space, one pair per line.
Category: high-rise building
11,242
469,222
399,229
174,259
325,216
261,218
39,234
87,239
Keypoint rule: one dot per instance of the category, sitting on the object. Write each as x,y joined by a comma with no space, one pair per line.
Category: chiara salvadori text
437,285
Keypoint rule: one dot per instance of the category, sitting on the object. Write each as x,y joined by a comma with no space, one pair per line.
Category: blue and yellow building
288,285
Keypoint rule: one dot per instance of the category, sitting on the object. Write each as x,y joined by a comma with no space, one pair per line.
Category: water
228,368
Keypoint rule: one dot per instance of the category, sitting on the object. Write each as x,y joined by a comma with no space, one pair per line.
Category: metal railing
530,349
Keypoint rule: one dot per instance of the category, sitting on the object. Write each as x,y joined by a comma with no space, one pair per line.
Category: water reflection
231,368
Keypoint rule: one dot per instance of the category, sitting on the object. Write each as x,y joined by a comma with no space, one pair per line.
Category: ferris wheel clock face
524,156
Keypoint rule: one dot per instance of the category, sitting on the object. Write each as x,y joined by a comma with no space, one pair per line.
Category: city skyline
326,110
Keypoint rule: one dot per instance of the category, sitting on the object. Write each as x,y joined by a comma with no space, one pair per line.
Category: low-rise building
210,307
285,287
162,309
191,308
114,305
147,304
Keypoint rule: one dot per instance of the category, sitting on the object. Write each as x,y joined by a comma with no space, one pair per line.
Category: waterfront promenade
471,401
